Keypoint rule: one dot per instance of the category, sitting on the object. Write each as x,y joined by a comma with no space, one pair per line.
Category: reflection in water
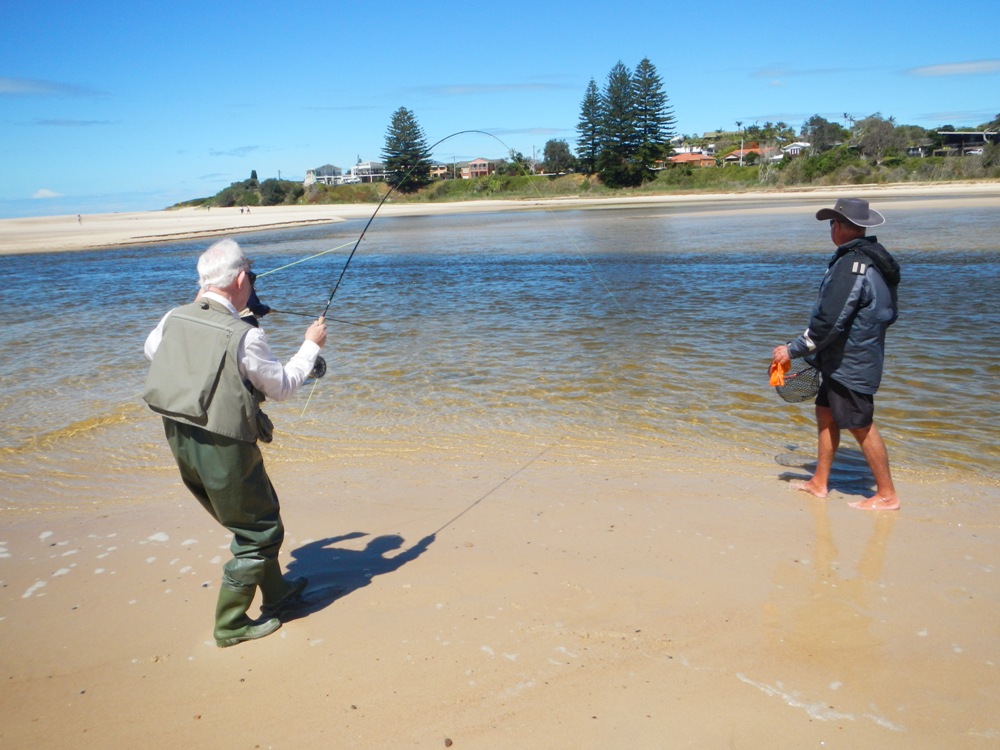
820,616
828,611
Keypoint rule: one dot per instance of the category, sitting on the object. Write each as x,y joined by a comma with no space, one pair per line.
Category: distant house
694,159
740,155
326,175
795,149
368,171
961,142
477,168
440,171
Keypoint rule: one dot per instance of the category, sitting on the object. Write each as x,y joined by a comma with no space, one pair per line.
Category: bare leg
828,440
877,456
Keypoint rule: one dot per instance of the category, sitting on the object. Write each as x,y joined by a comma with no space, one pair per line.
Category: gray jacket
856,304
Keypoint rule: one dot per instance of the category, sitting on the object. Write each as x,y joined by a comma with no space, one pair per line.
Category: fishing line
310,315
378,208
381,203
520,469
555,216
303,260
392,189
371,218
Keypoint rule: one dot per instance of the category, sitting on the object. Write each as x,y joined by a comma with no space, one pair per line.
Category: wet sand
88,232
545,594
577,598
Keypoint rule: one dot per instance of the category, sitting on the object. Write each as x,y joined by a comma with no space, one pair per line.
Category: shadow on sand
849,475
334,572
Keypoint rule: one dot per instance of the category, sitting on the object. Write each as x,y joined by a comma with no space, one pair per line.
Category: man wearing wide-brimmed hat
845,340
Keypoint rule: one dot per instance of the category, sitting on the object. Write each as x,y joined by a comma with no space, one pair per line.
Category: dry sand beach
559,593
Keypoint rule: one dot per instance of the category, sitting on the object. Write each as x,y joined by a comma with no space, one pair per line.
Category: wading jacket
856,304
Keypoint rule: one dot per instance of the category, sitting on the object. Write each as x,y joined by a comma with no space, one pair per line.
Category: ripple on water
592,325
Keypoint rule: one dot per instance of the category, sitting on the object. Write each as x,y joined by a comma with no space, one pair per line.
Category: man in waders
210,370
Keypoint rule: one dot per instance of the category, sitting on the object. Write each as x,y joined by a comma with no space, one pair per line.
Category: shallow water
625,326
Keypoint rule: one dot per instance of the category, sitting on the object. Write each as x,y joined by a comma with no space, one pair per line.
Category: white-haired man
846,342
209,372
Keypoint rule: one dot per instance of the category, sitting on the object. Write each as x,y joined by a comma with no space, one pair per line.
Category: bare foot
877,503
807,486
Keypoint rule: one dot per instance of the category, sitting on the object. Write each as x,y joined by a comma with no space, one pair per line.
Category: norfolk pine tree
406,154
654,118
619,136
588,143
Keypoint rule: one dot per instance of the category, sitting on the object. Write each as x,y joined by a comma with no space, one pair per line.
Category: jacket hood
879,256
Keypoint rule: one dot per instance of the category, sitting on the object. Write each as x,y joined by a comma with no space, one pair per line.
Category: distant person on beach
845,340
210,370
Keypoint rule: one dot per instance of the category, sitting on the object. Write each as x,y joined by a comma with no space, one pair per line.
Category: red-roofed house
740,155
695,160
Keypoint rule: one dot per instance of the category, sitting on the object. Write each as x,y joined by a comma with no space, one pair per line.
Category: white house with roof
325,175
795,149
368,171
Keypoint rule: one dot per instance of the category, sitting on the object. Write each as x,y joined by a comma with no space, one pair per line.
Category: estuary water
644,326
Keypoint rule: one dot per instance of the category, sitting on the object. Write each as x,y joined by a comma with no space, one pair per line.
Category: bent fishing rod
392,189
364,230
385,197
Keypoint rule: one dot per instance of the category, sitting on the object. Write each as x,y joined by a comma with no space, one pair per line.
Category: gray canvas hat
853,210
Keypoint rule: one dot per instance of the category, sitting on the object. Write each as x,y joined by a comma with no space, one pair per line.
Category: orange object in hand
777,372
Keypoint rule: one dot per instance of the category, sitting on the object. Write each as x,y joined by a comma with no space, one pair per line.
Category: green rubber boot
280,594
232,625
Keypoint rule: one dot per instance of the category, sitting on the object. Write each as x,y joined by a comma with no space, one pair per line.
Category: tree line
626,129
624,135
624,138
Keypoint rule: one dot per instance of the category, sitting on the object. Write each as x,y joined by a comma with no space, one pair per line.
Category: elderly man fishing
846,342
210,371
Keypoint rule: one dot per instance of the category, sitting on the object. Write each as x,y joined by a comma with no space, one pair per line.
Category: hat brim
875,219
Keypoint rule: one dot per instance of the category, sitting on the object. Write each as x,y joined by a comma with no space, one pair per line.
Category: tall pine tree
406,154
588,144
619,134
654,117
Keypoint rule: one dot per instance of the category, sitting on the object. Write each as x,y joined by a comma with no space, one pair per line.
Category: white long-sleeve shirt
256,360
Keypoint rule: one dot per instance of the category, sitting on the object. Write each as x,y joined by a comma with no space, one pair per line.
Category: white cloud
476,89
239,151
33,87
43,193
68,123
978,67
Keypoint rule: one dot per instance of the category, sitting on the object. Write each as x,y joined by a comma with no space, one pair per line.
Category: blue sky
113,106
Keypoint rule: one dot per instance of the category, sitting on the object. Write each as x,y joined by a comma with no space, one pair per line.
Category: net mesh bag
801,382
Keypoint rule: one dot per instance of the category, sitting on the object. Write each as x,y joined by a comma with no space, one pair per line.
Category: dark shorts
851,410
